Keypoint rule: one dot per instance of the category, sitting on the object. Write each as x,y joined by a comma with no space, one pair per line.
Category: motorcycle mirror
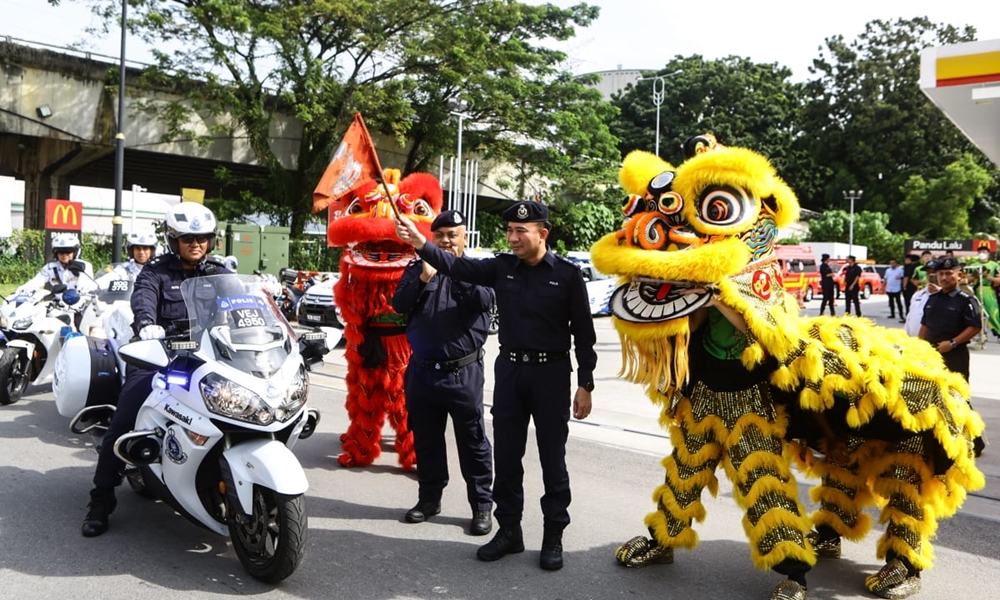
76,267
145,354
58,288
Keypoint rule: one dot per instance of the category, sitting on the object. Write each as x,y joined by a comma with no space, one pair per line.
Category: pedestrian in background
447,325
852,286
910,262
827,284
894,289
542,302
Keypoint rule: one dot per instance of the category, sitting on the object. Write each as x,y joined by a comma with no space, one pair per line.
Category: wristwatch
589,386
953,344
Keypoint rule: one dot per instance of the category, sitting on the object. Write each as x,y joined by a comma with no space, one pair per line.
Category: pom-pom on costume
895,425
370,268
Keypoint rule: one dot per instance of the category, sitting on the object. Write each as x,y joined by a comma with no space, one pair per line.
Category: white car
316,307
599,288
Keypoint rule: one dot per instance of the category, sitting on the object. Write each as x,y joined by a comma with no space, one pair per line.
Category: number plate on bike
248,317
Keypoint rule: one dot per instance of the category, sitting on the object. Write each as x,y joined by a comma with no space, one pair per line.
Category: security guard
542,302
951,319
447,325
156,304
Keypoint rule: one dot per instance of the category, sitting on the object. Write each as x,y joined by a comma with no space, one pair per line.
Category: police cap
947,263
448,218
527,211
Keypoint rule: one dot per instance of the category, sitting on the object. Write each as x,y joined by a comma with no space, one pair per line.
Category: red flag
354,163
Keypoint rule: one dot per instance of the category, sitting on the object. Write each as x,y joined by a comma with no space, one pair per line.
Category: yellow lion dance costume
744,381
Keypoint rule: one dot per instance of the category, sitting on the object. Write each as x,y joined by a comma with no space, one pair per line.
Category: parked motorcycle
35,326
214,437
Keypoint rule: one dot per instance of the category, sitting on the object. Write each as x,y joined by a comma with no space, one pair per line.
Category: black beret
527,211
448,218
825,256
947,263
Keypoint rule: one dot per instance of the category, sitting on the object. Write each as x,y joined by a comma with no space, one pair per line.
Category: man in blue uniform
827,284
156,304
542,302
447,325
951,319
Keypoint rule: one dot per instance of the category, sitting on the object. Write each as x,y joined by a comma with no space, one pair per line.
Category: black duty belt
452,365
534,357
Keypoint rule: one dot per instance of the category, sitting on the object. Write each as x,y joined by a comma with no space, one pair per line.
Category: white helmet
142,237
190,218
66,242
232,263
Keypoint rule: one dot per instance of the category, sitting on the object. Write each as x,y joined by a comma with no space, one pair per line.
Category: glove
152,332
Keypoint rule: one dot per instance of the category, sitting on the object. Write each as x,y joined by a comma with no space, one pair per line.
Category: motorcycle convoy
228,403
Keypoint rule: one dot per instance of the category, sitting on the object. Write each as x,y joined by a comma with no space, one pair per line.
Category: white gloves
152,332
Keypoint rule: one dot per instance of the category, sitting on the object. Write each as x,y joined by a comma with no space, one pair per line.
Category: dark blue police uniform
447,325
540,308
946,316
156,300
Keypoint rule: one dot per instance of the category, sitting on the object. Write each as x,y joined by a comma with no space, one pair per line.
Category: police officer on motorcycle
140,246
65,250
156,303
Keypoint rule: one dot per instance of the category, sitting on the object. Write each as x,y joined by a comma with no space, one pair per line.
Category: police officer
542,302
140,247
65,250
852,286
156,304
827,284
447,325
951,319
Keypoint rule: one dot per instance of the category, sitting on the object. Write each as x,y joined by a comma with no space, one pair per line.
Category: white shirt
894,279
54,273
916,314
127,271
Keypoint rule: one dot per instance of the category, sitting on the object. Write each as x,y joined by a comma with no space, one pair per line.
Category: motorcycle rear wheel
13,380
271,542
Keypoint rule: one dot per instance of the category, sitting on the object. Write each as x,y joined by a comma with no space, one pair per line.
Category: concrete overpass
58,111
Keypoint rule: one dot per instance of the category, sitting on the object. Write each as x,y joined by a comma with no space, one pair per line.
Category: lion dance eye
421,208
354,207
670,203
724,205
633,204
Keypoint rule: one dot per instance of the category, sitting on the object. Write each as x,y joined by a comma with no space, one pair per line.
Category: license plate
313,317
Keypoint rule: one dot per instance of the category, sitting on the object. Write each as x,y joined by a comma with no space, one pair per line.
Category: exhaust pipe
94,419
138,448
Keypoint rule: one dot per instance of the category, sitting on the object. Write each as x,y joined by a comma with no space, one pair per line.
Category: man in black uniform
910,262
156,304
951,319
447,324
827,283
852,286
542,302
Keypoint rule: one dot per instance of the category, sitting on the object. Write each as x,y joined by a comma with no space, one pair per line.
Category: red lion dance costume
377,351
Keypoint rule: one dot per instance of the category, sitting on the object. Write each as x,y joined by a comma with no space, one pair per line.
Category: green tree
866,124
940,207
869,231
238,63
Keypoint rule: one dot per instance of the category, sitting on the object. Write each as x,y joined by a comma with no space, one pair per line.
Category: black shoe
423,511
508,540
902,320
978,445
482,522
102,504
551,557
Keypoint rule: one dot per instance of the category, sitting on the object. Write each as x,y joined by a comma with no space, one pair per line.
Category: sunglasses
190,239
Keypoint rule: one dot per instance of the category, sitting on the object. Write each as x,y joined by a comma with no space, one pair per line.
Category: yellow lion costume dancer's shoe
745,382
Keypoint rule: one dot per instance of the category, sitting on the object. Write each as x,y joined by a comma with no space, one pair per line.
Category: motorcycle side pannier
86,374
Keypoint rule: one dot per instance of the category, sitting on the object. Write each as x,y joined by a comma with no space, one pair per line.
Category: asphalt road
360,548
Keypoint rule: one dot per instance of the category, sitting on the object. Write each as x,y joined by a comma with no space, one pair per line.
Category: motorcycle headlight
297,393
228,399
22,323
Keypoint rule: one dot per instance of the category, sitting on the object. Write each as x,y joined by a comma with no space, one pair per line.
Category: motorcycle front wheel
13,379
270,542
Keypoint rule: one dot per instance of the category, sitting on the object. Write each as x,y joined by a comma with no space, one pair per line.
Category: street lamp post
458,108
852,195
659,92
116,221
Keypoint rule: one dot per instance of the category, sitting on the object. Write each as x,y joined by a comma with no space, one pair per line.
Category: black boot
102,504
508,540
551,557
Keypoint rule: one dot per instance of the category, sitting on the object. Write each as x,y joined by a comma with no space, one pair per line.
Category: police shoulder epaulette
158,259
215,260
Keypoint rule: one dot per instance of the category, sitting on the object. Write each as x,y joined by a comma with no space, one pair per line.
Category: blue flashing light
178,378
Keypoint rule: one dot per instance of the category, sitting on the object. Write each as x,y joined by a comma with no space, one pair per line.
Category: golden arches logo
68,214
63,215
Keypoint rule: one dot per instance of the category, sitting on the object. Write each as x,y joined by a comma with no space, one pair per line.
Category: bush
313,255
22,255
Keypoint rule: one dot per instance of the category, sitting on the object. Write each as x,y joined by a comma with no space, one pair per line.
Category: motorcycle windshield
243,323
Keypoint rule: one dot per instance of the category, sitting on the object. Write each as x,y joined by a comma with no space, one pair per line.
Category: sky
632,34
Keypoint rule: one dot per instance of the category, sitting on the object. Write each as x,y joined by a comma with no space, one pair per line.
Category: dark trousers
896,301
907,296
431,396
849,297
540,393
828,296
957,360
135,390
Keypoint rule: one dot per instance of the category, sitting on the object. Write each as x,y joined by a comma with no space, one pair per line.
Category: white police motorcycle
35,325
227,404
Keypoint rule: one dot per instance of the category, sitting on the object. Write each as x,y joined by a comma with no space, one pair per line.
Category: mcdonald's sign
63,215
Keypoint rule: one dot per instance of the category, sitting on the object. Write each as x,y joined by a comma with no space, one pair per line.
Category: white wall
10,190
